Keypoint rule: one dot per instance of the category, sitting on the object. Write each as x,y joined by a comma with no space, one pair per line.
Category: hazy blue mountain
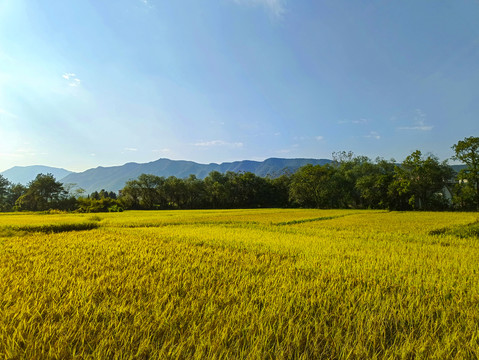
458,168
25,174
114,178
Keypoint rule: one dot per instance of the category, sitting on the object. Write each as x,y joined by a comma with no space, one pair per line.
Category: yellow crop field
240,284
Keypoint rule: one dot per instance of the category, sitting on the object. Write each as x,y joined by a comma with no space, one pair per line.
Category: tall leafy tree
15,191
373,184
216,190
4,187
317,186
467,151
175,192
43,193
146,192
196,193
279,196
422,180
351,169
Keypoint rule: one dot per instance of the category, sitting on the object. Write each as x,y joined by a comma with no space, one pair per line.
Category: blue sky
85,83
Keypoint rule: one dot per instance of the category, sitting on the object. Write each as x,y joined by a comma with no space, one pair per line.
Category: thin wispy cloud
360,121
21,153
418,127
288,150
373,135
215,122
131,149
164,151
72,79
276,8
147,3
306,138
356,122
215,143
419,122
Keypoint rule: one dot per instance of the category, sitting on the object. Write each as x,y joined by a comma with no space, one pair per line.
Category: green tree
95,195
350,169
421,181
279,196
215,187
4,186
374,182
196,193
103,194
317,186
467,151
247,190
15,191
146,192
43,193
175,192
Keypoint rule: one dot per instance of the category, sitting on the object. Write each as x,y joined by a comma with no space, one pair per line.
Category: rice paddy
239,284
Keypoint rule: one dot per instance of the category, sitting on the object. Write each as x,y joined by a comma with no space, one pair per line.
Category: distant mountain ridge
114,178
24,174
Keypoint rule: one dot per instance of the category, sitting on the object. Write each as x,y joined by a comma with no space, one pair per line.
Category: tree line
419,182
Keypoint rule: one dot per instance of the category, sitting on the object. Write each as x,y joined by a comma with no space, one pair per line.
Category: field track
240,284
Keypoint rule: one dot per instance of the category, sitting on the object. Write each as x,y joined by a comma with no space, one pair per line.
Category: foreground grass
251,284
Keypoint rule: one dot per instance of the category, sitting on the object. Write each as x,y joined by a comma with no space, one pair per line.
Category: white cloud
131,149
419,123
360,121
218,143
308,138
357,122
75,82
421,128
214,122
147,3
20,153
67,76
163,151
373,135
274,7
72,79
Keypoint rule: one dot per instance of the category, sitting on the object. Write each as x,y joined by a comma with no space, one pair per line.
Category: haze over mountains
24,174
114,178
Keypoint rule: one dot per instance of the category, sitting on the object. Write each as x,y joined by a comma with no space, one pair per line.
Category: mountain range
113,178
24,174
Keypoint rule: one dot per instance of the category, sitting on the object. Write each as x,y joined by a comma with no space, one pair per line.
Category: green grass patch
302,221
462,231
6,231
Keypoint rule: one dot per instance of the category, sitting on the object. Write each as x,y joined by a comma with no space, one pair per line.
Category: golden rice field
240,284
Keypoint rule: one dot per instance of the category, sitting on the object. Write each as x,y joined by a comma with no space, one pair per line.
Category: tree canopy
467,151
